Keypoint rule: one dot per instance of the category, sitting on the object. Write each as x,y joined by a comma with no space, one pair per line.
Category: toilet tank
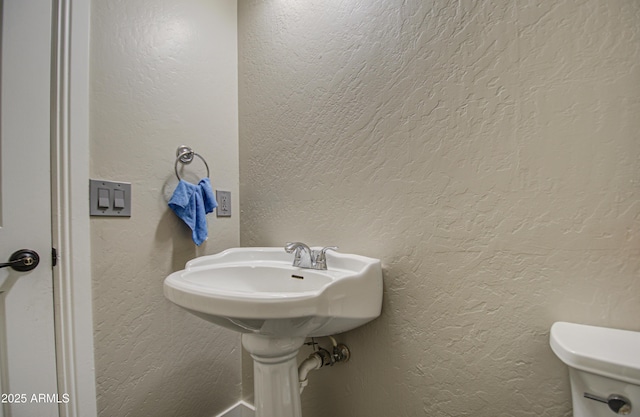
602,363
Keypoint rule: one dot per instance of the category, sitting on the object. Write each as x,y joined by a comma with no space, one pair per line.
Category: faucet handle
296,247
289,247
321,257
324,250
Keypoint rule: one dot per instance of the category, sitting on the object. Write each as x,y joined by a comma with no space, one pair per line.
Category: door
27,346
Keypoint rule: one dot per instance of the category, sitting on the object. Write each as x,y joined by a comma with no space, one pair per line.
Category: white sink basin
257,290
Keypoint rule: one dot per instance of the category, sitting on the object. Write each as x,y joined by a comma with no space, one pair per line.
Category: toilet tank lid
608,352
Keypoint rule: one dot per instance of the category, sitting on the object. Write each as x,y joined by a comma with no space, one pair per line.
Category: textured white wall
163,74
488,152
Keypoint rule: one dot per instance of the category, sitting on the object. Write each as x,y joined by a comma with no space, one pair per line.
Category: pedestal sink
257,291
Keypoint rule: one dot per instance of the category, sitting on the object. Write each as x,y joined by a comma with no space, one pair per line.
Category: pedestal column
275,374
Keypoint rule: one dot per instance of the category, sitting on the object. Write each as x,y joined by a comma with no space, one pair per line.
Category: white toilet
604,368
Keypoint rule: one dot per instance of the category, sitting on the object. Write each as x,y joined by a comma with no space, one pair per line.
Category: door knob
22,260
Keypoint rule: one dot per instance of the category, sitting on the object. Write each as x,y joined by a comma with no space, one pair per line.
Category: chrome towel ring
185,155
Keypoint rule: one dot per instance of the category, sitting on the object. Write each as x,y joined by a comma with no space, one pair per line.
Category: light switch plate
224,203
96,207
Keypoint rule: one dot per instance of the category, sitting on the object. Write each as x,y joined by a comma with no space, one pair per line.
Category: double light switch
108,198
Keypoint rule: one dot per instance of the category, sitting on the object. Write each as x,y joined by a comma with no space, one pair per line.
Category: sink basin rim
188,281
358,276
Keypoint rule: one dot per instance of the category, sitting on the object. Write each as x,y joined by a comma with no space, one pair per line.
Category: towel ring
185,155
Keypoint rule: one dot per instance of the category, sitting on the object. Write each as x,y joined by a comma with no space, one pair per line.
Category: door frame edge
70,208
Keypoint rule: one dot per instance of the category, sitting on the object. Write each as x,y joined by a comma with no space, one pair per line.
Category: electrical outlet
224,203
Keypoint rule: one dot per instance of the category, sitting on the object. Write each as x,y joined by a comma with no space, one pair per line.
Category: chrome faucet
302,256
305,257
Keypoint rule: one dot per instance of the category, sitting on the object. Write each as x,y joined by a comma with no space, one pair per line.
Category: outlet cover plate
224,203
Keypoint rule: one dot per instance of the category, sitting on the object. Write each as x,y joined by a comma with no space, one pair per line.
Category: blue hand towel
192,203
